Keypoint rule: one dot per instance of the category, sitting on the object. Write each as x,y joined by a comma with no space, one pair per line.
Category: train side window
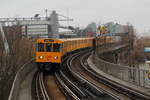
49,47
64,44
61,47
56,47
86,41
40,47
75,42
79,42
69,43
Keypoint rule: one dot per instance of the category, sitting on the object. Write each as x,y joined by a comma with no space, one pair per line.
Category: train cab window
48,47
56,47
40,47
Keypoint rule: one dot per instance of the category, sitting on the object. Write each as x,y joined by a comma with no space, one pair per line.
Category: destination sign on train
48,40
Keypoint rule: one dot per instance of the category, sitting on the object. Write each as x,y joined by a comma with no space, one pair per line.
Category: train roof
60,40
70,39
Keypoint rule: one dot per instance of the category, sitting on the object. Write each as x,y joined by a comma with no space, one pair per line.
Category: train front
48,54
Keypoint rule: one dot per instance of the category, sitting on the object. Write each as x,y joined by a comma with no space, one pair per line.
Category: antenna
68,16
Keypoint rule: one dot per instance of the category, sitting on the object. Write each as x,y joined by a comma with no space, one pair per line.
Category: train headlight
55,57
41,57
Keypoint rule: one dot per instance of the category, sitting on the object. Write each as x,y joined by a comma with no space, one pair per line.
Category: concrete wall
20,76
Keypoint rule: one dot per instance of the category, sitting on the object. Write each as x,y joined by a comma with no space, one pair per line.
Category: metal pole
26,30
6,45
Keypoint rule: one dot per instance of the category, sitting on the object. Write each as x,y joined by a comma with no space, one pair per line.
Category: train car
50,52
102,40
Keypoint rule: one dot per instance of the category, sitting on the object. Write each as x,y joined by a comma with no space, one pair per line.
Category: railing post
139,77
143,78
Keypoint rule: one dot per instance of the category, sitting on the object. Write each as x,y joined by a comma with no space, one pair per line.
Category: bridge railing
110,47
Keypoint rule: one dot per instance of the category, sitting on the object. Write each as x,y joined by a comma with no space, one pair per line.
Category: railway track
51,87
81,87
77,69
70,95
76,80
38,88
133,94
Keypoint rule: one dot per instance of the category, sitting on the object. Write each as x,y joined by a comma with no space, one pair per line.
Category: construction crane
6,45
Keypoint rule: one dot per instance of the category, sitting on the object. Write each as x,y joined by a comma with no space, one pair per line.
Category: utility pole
6,46
131,60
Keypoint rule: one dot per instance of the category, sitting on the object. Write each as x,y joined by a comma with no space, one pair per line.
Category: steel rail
37,89
82,61
40,90
65,88
91,87
42,86
114,85
74,87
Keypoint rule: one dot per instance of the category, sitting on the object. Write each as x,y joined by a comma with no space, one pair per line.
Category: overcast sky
137,12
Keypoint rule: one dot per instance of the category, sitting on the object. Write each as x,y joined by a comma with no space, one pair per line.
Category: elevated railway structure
106,92
123,92
73,86
79,78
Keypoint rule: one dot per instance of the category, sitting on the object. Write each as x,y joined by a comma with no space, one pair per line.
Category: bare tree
21,52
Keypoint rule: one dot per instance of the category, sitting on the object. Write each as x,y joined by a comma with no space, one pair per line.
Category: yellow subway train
50,52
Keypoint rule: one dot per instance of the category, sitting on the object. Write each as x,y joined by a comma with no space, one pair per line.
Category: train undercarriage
48,67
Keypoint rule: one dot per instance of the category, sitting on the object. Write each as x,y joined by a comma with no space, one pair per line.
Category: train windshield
48,47
40,47
56,47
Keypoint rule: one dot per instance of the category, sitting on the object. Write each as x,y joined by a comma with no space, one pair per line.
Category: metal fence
130,74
